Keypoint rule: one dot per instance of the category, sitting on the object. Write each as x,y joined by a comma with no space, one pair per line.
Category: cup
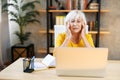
26,64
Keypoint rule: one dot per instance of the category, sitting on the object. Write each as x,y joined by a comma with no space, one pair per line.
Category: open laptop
89,62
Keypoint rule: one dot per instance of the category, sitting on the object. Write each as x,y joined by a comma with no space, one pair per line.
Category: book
83,4
74,5
68,4
48,61
60,20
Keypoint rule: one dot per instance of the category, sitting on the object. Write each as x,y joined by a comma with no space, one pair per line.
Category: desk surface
15,72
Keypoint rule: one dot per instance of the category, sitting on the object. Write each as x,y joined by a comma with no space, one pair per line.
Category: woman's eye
72,21
78,21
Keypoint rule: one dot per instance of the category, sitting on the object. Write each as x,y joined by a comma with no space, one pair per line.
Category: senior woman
75,35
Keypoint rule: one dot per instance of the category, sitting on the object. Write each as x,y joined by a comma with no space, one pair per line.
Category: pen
33,58
31,65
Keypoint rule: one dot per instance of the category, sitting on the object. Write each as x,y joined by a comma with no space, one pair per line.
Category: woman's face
76,25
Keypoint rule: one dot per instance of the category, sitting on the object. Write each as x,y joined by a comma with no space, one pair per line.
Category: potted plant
23,15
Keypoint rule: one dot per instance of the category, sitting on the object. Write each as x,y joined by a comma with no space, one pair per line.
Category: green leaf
33,21
29,5
15,1
5,7
24,36
15,15
32,14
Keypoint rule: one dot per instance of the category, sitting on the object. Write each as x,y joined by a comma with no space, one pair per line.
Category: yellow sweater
61,37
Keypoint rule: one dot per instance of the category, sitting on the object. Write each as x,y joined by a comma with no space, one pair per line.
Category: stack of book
60,20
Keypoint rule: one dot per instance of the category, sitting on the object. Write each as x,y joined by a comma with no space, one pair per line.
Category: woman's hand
83,36
68,32
83,32
68,36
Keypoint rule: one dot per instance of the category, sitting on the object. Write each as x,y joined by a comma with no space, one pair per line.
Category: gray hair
72,14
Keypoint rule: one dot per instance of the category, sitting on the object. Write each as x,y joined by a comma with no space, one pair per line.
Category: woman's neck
75,38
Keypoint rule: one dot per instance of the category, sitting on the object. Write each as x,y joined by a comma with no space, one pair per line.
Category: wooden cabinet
18,51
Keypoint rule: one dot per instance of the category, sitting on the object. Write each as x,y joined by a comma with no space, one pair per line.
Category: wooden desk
15,72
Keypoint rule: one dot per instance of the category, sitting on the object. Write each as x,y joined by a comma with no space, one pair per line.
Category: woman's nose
75,23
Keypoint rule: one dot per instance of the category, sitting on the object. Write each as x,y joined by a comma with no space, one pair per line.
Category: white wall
5,39
12,28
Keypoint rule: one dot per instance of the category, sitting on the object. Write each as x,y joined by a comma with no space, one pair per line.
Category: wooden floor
1,68
4,66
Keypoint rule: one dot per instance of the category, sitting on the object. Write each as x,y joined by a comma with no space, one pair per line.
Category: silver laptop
89,62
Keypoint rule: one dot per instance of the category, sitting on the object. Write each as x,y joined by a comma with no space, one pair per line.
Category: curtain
1,62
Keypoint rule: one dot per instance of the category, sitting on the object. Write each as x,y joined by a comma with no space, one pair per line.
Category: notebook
90,62
46,62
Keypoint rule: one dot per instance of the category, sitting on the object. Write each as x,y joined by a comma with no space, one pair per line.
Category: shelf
70,10
44,31
101,32
44,50
91,32
42,10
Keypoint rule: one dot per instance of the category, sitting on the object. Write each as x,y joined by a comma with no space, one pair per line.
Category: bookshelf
50,32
